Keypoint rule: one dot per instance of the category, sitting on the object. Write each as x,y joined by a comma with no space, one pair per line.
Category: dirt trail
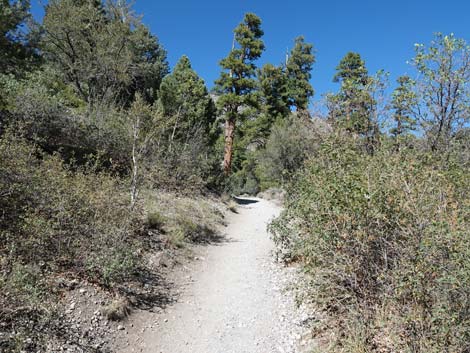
234,298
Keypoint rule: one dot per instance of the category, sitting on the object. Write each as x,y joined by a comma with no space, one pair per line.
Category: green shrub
290,143
385,241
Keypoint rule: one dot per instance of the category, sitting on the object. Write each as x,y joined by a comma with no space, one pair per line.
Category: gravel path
234,299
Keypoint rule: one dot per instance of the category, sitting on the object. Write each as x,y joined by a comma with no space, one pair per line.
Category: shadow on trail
148,289
207,236
244,201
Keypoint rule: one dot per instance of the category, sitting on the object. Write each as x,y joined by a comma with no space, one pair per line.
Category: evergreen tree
274,104
404,99
298,70
354,107
273,88
237,85
15,48
353,104
351,69
183,97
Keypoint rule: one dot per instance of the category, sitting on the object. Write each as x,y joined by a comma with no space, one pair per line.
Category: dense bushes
54,219
385,240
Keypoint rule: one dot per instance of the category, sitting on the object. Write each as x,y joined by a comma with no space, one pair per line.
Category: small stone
120,328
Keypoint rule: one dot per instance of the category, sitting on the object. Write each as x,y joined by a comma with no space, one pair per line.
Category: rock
120,327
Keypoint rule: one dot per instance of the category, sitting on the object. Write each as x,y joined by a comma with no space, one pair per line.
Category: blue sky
382,31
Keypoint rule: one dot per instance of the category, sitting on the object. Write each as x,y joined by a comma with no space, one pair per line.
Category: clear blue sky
382,31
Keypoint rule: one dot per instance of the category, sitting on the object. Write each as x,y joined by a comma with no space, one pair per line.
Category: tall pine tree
183,98
353,107
237,84
404,100
298,70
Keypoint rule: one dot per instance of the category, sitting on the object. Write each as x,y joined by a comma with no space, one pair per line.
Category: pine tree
404,99
237,85
15,49
274,104
183,97
273,88
352,69
298,70
352,104
353,107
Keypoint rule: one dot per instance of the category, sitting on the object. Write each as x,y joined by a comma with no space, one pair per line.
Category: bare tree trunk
172,138
135,162
228,151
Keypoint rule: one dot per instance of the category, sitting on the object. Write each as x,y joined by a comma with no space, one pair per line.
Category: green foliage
443,68
244,179
384,240
186,158
290,143
298,71
404,102
103,50
237,87
274,95
16,52
354,107
236,84
351,68
184,99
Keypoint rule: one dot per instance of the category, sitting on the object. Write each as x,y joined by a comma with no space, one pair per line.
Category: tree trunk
228,151
134,177
135,162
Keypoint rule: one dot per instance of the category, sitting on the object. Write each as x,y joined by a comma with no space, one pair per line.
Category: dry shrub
58,219
385,240
232,206
155,220
117,310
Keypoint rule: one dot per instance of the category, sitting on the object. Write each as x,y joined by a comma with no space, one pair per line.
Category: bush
290,143
385,240
117,310
155,220
55,219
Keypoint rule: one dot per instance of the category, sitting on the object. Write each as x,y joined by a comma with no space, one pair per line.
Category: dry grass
232,206
183,218
117,310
